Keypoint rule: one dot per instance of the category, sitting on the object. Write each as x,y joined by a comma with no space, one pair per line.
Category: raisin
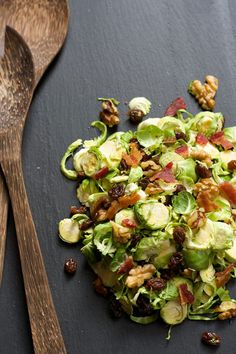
99,287
156,159
167,273
115,307
179,235
135,115
232,165
78,210
144,306
135,239
168,200
85,225
143,182
179,188
211,338
203,172
123,165
146,157
176,261
81,176
180,135
116,191
70,266
126,266
101,173
156,284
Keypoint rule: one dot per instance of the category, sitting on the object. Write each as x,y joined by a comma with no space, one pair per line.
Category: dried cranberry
143,182
126,266
156,284
179,188
78,210
232,165
135,115
116,191
70,266
85,225
176,261
203,172
101,173
180,135
144,306
211,338
115,307
179,235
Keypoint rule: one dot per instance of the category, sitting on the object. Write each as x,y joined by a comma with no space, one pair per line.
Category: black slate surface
119,49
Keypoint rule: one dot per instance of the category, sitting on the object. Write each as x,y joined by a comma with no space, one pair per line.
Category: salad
157,222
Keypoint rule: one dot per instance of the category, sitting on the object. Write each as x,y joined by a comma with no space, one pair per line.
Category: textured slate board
121,49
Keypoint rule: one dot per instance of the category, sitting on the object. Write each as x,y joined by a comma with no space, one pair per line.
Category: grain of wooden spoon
16,90
43,24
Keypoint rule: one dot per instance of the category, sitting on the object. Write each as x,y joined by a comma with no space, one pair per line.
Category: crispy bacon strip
175,105
201,139
220,139
228,191
134,157
182,150
128,223
223,277
165,174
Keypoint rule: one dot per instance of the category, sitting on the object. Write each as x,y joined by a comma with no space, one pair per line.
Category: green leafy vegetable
184,203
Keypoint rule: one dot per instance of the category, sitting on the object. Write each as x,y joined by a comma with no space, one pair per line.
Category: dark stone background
119,49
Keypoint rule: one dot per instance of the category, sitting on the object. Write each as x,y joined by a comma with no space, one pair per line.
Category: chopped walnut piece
205,93
109,114
150,168
121,234
201,155
153,188
138,275
227,310
206,191
196,219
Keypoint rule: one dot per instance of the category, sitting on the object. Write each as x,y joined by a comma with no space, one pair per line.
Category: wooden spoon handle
45,328
3,222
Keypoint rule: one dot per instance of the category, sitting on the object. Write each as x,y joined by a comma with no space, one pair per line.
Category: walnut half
205,93
138,275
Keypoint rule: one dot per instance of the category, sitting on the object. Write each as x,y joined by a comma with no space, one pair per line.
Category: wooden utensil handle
3,222
46,333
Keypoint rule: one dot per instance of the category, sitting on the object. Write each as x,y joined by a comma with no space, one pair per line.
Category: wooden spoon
43,24
16,90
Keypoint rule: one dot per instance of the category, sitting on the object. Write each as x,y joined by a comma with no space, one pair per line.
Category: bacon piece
201,139
101,173
205,199
182,150
134,157
186,297
220,139
126,266
165,174
223,277
175,105
128,223
228,191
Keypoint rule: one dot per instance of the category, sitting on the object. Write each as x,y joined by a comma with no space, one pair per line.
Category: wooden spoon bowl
16,90
43,24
